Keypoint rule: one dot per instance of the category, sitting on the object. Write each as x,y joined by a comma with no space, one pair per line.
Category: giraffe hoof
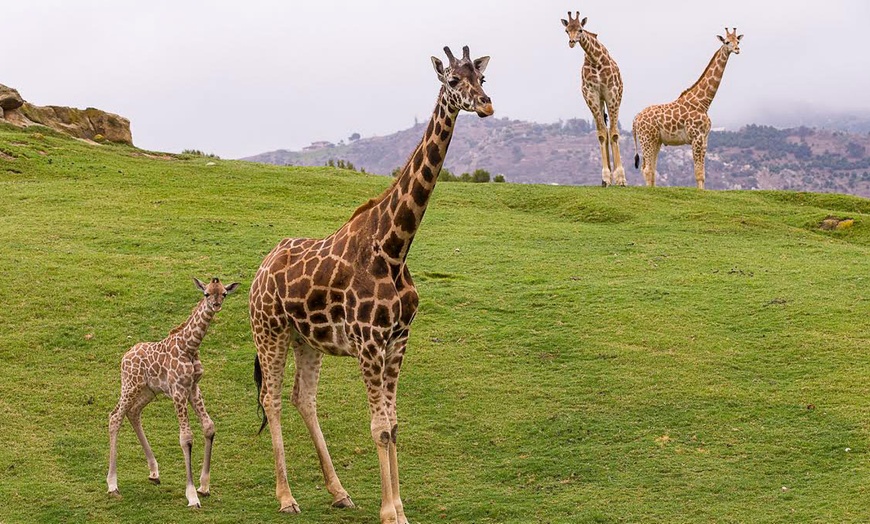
292,508
205,493
155,480
604,184
115,493
194,505
344,503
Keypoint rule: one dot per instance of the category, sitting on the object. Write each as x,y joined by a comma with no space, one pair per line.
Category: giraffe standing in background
351,294
171,367
602,90
685,120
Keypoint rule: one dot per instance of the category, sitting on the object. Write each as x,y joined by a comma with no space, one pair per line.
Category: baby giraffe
171,367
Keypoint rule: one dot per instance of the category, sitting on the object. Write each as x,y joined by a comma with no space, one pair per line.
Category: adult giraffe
685,120
351,294
602,90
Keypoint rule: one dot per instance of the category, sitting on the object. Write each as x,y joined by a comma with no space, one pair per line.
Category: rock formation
80,123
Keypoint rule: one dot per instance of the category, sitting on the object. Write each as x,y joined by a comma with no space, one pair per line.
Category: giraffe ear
583,23
439,68
199,284
564,22
232,287
721,39
481,63
739,38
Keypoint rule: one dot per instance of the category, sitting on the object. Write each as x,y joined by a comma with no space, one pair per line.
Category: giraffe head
462,80
574,28
215,292
731,41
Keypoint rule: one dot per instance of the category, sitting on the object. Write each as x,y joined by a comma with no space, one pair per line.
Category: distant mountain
755,157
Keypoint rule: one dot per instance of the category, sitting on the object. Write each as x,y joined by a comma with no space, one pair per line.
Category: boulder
9,99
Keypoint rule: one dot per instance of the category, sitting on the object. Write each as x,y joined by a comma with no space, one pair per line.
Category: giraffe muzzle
484,107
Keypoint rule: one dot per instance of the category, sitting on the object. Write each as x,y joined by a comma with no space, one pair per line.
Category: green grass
580,354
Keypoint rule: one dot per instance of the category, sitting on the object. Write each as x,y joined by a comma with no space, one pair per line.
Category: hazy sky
239,78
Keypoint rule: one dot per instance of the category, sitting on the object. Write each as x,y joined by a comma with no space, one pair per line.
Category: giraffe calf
171,367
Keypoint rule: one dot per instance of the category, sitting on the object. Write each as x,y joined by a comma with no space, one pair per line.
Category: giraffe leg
391,380
115,420
699,152
596,106
134,415
129,393
308,363
618,169
604,145
371,361
185,439
198,404
273,359
650,159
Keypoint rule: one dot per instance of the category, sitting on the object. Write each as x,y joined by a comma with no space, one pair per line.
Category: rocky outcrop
87,123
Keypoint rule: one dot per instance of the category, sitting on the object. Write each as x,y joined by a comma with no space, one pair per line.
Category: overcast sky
238,78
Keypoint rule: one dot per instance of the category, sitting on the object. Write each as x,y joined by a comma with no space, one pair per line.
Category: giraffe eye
224,293
205,294
453,82
482,79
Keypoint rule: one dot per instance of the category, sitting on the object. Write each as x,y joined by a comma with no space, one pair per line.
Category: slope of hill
755,157
580,354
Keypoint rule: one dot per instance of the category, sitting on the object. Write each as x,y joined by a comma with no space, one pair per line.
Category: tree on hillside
855,150
446,176
480,176
354,137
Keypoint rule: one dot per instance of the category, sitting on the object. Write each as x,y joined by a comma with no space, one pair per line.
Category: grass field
580,355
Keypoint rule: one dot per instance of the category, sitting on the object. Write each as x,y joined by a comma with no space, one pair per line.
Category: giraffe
685,120
171,367
602,90
351,294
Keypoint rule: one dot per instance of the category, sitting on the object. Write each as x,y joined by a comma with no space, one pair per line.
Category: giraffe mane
180,327
372,202
698,81
377,200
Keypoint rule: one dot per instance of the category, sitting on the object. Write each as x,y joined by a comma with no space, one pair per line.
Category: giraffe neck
595,51
704,90
400,209
194,328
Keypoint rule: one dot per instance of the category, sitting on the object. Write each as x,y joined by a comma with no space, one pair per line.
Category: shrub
197,152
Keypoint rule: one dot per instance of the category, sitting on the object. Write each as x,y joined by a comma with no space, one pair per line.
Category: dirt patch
4,156
154,156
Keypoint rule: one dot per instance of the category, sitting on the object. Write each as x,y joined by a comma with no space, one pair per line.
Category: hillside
755,157
580,354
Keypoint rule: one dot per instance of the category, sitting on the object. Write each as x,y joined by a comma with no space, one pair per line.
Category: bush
446,176
480,176
197,152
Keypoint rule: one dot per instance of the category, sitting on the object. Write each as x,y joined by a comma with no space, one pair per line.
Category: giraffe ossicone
170,367
685,120
351,294
602,90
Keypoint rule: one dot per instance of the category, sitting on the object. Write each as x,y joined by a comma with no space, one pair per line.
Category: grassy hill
580,355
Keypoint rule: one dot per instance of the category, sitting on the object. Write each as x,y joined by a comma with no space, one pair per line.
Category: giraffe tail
258,378
636,154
